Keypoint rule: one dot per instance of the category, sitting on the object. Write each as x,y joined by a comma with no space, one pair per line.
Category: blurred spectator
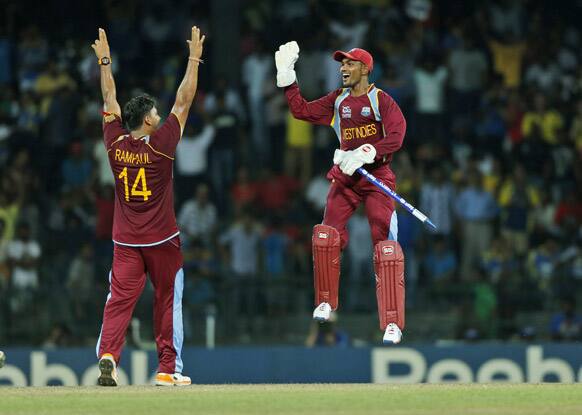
59,337
361,273
231,97
310,71
201,269
9,211
569,210
316,193
544,217
507,18
80,283
275,191
244,191
104,206
436,201
544,74
410,237
275,244
276,110
478,312
198,217
49,82
192,157
548,120
542,261
514,119
440,264
430,81
255,70
517,200
101,158
484,305
567,324
29,117
240,250
33,52
349,30
77,168
223,151
326,334
24,254
533,152
499,261
475,208
508,57
275,250
298,155
468,72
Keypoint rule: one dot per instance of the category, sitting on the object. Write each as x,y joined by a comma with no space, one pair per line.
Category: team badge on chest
366,111
346,112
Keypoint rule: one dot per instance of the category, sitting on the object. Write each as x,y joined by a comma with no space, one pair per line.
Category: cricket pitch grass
294,399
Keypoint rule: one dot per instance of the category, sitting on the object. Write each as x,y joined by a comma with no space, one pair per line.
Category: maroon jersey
373,118
142,167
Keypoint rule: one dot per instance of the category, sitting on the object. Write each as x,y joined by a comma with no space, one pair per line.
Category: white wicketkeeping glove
354,159
338,156
285,59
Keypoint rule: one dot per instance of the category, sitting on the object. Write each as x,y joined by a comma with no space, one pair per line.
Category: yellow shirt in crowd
549,123
299,133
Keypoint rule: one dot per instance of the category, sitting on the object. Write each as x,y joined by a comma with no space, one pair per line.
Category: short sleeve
166,138
112,128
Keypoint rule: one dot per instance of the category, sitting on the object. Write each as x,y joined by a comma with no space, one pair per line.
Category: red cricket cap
356,54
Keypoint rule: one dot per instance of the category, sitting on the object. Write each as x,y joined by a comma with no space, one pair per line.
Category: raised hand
196,43
285,59
101,45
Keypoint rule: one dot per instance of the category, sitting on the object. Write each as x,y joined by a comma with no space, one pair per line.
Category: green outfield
318,399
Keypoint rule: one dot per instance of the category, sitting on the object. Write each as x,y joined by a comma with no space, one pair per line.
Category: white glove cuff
285,78
368,152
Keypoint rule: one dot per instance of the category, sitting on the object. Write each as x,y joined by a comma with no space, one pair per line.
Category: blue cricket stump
417,213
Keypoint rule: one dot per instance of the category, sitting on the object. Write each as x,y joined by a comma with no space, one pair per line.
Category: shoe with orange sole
175,379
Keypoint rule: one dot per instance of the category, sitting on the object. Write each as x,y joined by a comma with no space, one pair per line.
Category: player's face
351,72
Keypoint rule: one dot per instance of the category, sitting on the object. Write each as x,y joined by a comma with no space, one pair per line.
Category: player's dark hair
136,109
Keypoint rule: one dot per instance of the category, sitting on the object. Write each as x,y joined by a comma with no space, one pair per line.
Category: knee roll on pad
326,264
389,269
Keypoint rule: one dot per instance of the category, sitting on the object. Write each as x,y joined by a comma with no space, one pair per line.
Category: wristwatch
104,61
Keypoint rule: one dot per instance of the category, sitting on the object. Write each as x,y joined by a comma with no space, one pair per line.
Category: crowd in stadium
492,93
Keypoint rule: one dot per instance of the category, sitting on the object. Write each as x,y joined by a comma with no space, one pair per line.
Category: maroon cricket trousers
163,264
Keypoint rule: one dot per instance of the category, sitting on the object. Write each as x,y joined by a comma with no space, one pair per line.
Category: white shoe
108,369
393,334
322,312
176,379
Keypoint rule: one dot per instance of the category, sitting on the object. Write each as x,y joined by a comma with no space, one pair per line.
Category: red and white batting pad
326,264
389,269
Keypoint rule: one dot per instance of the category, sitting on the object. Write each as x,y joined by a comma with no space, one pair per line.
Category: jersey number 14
140,179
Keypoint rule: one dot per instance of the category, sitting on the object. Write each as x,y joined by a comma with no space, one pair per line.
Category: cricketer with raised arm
145,234
370,128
